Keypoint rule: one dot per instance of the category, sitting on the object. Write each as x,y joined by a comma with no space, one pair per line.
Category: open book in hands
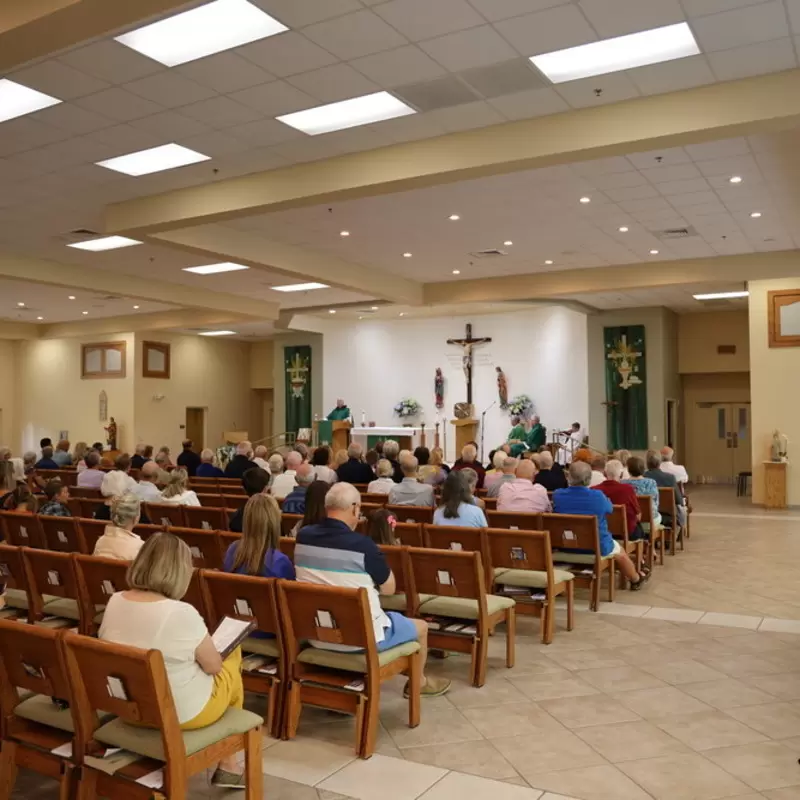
230,633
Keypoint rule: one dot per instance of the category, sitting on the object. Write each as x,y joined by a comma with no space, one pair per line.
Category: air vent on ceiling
492,252
83,232
676,233
110,297
441,93
507,77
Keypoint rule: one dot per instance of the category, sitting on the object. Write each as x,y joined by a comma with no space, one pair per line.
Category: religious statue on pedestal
502,387
438,388
780,446
111,430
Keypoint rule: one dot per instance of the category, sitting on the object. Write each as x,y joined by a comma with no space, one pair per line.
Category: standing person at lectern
341,412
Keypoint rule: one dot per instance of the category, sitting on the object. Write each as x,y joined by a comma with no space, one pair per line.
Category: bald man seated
522,494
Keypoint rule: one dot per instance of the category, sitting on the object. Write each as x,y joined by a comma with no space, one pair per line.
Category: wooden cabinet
775,484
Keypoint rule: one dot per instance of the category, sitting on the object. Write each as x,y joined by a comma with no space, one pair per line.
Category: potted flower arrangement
408,407
521,406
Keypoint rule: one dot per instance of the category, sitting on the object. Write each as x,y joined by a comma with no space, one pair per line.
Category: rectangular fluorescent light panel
211,28
623,52
300,287
217,333
106,243
347,113
154,159
721,296
213,269
17,100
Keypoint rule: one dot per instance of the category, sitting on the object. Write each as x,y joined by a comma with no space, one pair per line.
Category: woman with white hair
118,539
177,491
115,484
207,468
384,483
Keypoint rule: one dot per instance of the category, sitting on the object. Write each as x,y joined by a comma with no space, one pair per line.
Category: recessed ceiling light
548,262
344,233
217,333
350,113
213,269
106,243
586,199
154,159
17,100
623,229
85,313
456,272
454,217
300,287
136,308
211,28
755,214
407,255
71,297
361,317
331,310
20,305
508,243
720,295
402,313
622,52
374,308
40,318
735,179
654,252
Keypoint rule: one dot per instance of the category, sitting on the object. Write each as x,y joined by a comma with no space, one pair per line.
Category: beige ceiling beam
653,274
71,276
769,102
34,29
297,263
19,330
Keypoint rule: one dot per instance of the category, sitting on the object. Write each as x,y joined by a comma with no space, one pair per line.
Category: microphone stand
483,425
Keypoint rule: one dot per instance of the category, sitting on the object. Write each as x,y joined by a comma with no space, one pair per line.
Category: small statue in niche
502,387
438,388
111,430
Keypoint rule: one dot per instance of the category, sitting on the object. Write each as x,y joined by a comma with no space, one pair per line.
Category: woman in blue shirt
457,507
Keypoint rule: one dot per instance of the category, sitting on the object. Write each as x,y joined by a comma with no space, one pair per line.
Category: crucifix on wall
467,343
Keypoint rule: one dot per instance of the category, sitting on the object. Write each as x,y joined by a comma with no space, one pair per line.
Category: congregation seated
118,540
496,459
151,615
321,461
522,494
315,506
384,483
260,456
598,469
254,481
46,461
8,482
241,462
354,469
275,464
550,476
669,481
302,449
469,460
122,463
622,456
283,484
207,468
177,491
431,470
622,494
380,527
295,501
78,455
138,460
358,563
57,495
472,484
164,457
371,458
391,452
188,459
91,477
114,485
410,492
61,455
668,465
643,485
456,506
147,488
506,474
578,498
22,500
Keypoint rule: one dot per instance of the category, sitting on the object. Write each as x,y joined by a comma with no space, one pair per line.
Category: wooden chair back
68,477
244,597
448,573
52,574
287,546
374,498
14,572
195,596
204,546
572,532
411,514
646,508
22,530
89,506
84,492
62,533
207,519
398,561
74,506
512,549
617,522
229,483
144,531
410,534
226,539
234,501
666,502
203,484
233,489
91,530
288,521
209,500
98,579
446,537
490,503
165,514
514,520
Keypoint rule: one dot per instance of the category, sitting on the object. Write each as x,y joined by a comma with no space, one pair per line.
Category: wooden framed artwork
784,318
103,360
155,360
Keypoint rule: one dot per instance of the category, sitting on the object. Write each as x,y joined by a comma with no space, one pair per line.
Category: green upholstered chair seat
398,602
147,742
40,708
353,662
16,598
531,577
576,558
464,607
62,607
264,647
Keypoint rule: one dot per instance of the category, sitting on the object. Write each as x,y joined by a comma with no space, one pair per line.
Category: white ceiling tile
274,99
220,112
126,139
72,118
410,128
495,10
337,82
680,172
466,116
618,17
545,31
583,94
649,204
217,144
672,76
111,61
226,72
354,35
398,67
118,104
793,7
423,19
724,148
170,89
265,132
476,47
602,166
632,193
683,187
694,198
58,80
700,8
754,59
309,148
26,133
287,54
742,26
620,180
668,157
170,125
351,140
531,103
297,13
744,166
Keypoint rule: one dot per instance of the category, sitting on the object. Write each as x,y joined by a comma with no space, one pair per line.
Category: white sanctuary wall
543,352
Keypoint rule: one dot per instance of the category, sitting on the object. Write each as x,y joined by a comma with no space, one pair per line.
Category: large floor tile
492,693
775,720
744,666
710,729
785,686
730,620
468,787
383,777
677,673
627,741
588,659
580,712
658,703
728,693
623,609
791,793
547,750
440,727
780,625
344,732
617,679
679,776
475,758
771,765
553,687
306,760
512,719
588,783
674,614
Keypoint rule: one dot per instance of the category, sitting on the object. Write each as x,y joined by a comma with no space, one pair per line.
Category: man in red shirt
622,494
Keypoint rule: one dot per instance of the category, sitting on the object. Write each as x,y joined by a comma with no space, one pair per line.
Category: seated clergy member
254,481
118,539
391,452
469,459
354,470
147,490
91,477
207,468
295,501
668,481
341,412
284,483
115,484
151,616
507,474
457,507
321,461
578,498
384,482
138,459
260,456
622,494
523,494
241,462
548,475
46,461
411,492
177,491
331,553
188,459
62,455
668,465
598,469
57,494
643,485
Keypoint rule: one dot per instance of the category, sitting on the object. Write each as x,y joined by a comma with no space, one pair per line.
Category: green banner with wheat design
626,387
297,364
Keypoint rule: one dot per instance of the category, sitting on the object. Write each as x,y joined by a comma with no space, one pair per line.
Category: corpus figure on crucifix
467,343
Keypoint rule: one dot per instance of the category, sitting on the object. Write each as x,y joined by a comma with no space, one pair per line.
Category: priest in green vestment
537,436
517,437
341,412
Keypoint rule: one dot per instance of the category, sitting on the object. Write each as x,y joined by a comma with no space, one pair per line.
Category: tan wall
8,390
775,387
700,334
262,365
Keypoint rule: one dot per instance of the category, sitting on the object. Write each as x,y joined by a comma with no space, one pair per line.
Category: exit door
196,427
723,438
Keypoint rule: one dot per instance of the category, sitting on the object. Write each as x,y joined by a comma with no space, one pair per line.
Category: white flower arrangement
520,406
407,407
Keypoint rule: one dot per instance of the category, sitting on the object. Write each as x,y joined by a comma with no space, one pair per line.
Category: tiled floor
692,693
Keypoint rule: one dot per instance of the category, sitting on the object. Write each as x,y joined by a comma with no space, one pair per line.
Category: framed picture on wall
784,318
155,360
103,360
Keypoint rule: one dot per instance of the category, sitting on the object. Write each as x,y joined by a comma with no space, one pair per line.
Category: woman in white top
321,461
384,483
622,456
151,616
177,491
118,540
